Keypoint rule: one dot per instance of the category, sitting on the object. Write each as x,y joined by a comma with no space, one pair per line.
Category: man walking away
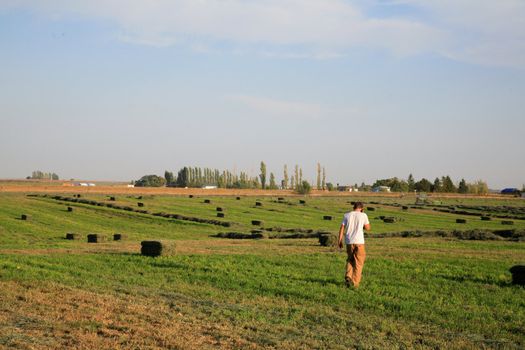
352,227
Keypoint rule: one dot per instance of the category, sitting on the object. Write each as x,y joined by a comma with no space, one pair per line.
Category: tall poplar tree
285,178
318,176
262,176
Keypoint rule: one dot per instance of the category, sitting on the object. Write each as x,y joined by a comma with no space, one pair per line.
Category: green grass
416,292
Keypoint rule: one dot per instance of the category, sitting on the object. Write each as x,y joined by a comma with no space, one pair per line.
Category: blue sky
114,89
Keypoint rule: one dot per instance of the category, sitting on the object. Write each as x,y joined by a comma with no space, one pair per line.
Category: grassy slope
285,294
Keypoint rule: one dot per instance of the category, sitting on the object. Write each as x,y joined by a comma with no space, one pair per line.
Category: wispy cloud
271,107
476,31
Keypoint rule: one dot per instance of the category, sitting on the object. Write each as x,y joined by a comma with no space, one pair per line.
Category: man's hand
340,244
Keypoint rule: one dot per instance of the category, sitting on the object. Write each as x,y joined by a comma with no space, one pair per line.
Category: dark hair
358,205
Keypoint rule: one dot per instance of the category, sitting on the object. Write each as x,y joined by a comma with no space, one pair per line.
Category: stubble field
424,288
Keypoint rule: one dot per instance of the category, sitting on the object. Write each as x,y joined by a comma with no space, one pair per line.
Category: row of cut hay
241,235
95,237
475,234
127,208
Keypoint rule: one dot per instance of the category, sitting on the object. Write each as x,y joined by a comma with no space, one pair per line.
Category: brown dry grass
46,187
52,316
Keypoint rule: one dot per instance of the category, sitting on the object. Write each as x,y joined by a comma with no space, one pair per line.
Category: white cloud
271,107
477,31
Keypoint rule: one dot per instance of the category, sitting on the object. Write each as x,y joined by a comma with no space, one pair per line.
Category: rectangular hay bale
157,248
96,238
72,236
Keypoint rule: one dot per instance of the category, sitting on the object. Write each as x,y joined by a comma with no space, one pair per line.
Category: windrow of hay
476,234
141,211
240,235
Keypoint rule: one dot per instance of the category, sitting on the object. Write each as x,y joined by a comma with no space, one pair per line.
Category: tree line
39,175
442,184
197,177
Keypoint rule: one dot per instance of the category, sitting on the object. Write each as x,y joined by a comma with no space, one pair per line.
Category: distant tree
411,183
285,178
168,175
183,177
54,177
273,185
478,187
150,181
330,186
300,175
436,186
423,185
292,182
262,176
318,176
323,183
462,188
303,188
447,185
296,175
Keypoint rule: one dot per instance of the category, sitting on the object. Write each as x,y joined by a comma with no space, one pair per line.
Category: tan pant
354,263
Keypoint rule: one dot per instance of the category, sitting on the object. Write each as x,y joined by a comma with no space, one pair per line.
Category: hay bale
302,201
157,248
220,215
119,237
507,222
207,201
518,274
190,196
257,222
140,204
328,239
95,238
70,209
258,204
327,217
486,218
72,236
219,209
112,199
24,217
404,207
238,198
280,199
370,208
389,220
461,221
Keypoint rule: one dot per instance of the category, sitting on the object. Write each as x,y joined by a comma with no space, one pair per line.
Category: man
352,226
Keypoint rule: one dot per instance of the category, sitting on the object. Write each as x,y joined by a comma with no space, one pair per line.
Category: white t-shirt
354,222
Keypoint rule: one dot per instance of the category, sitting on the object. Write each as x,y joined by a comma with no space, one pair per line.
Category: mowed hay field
275,292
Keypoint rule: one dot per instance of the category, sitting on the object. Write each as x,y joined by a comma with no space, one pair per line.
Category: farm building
381,189
209,187
344,188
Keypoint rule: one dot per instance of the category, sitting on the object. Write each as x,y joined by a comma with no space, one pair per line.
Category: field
420,289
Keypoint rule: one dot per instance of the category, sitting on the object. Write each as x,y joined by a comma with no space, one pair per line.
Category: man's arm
367,227
341,233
